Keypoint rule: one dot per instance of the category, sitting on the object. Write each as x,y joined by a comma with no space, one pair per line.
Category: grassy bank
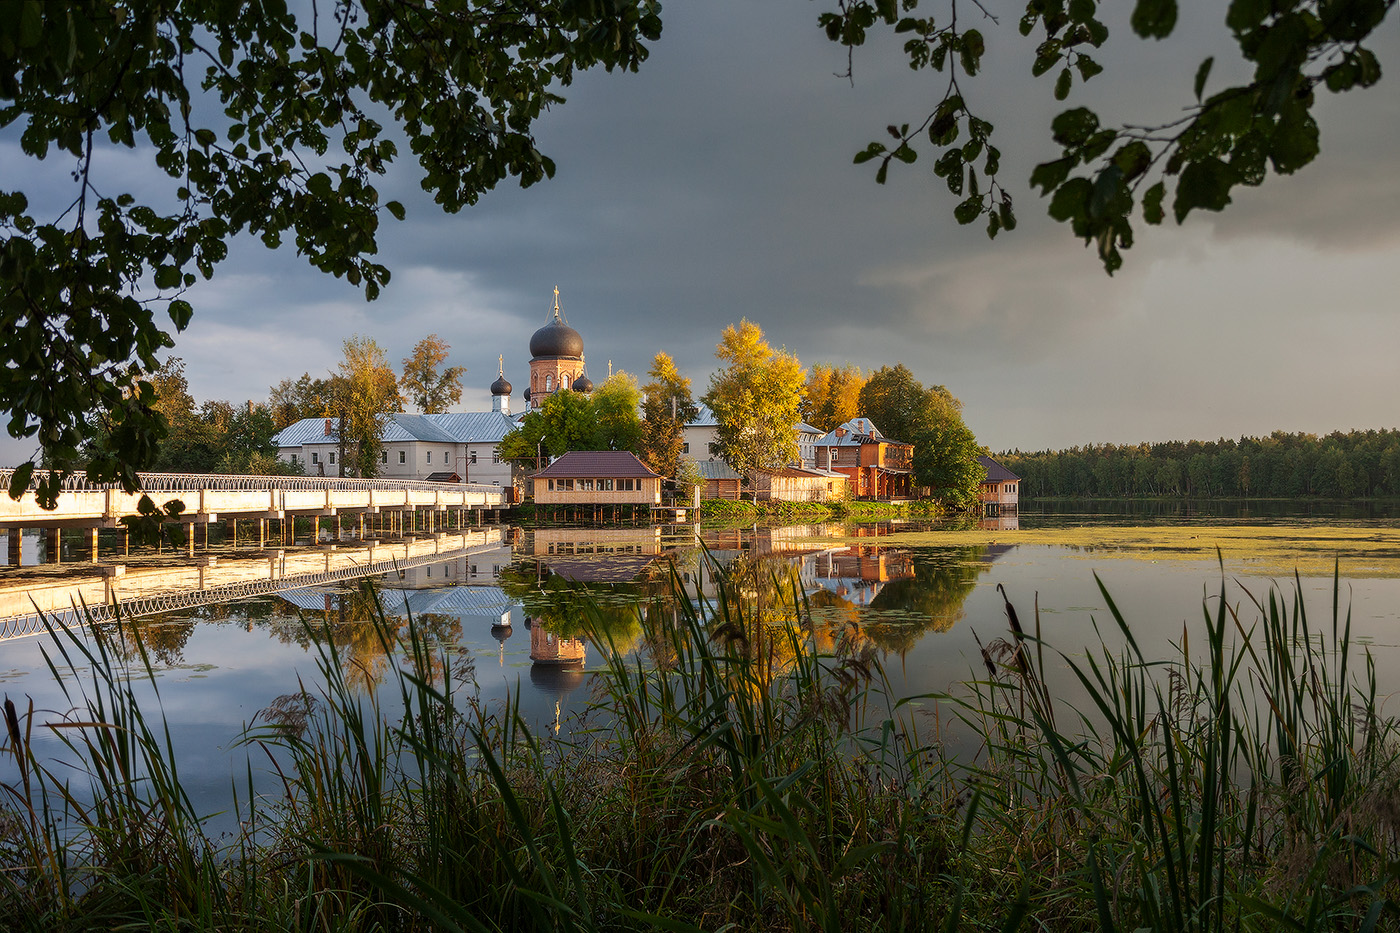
728,510
1250,784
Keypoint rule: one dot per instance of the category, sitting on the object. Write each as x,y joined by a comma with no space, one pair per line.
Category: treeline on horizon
1355,464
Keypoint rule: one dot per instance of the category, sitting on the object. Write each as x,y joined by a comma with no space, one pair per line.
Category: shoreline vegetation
745,769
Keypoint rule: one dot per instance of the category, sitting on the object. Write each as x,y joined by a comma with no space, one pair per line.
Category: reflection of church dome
500,632
556,339
582,384
501,387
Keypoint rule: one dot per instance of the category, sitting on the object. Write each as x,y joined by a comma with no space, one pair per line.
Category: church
556,359
453,446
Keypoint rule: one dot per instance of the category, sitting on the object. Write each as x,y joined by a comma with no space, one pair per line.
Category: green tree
291,401
756,399
274,121
667,408
614,407
945,459
1230,137
429,387
363,394
893,400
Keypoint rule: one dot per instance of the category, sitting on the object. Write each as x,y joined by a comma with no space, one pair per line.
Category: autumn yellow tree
667,409
832,395
363,395
756,399
425,383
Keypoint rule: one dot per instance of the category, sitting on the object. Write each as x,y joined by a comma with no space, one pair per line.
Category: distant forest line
1356,464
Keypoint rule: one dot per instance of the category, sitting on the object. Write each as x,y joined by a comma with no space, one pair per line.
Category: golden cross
501,364
556,299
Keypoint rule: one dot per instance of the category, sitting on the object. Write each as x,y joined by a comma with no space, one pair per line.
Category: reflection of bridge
389,505
150,590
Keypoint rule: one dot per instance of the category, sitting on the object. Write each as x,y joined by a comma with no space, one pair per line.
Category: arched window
549,383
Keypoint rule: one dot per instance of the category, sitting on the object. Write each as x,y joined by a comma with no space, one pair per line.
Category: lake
503,604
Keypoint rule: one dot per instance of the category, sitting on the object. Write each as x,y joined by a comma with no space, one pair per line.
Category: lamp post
539,446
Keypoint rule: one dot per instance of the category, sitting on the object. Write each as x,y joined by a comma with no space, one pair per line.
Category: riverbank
720,511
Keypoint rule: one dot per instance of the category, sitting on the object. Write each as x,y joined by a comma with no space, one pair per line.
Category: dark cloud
717,184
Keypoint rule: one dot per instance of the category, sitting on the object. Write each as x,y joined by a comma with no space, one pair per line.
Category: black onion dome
556,339
527,393
500,386
582,384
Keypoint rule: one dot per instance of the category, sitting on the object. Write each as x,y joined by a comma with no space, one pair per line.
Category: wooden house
796,484
1001,488
721,480
597,477
877,467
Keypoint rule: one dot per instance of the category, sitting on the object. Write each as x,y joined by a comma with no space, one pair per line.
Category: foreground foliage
1250,783
264,119
1232,136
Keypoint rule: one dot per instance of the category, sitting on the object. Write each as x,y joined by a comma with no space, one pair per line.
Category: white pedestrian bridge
274,502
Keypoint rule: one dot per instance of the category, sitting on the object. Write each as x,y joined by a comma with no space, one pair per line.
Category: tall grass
731,776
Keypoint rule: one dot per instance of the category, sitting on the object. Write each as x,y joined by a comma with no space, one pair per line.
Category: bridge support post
92,537
232,533
16,545
189,538
262,533
53,542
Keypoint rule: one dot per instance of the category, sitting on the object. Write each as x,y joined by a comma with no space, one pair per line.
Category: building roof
856,432
704,418
996,473
456,427
716,469
475,427
416,428
556,339
619,463
805,428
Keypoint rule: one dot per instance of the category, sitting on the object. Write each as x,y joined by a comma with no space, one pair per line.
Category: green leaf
1295,141
1152,203
1087,66
968,210
1050,175
19,480
1154,19
869,152
1063,83
1205,184
205,137
1072,127
180,312
167,277
395,208
1202,73
1245,15
1071,199
1133,159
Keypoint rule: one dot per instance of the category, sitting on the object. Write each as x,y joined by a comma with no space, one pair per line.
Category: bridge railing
190,482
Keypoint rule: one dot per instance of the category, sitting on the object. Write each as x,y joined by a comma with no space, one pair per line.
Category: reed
744,770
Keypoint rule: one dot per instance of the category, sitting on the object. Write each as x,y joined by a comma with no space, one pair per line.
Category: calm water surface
506,612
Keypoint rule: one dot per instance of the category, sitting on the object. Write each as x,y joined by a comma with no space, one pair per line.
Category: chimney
840,432
328,427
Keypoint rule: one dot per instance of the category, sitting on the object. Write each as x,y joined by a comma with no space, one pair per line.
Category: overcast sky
717,184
